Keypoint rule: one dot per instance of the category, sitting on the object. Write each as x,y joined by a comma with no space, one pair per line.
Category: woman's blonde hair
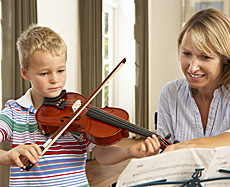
210,32
38,38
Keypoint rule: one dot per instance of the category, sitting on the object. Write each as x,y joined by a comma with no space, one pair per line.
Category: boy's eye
44,74
61,70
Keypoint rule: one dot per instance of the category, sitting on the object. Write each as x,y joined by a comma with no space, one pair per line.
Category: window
118,42
107,55
0,53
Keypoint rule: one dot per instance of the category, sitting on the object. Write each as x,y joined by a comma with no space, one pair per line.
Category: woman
195,109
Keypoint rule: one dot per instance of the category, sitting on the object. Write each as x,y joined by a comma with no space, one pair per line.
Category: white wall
164,27
62,16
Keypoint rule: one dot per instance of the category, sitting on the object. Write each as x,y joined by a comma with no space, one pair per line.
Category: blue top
178,113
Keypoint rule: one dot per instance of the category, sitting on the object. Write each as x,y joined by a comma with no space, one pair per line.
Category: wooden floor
104,176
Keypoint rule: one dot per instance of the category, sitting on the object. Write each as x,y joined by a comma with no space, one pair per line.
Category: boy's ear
24,74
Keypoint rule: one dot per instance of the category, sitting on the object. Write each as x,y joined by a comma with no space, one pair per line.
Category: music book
179,165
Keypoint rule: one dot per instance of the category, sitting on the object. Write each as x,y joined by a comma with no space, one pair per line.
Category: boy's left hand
149,147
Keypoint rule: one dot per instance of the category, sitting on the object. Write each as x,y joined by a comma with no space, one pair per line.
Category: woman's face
202,71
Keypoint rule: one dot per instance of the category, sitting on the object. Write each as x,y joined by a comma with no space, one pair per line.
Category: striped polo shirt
63,164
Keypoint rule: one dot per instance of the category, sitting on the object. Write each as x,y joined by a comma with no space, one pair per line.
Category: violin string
128,126
110,117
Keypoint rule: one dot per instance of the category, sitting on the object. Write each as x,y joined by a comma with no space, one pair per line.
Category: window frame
109,9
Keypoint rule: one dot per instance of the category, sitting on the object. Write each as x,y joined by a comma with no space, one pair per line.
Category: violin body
62,114
54,112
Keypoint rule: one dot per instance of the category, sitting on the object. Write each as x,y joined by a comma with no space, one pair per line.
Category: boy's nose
54,78
194,65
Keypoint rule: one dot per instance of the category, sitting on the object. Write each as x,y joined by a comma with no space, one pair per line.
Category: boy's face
47,74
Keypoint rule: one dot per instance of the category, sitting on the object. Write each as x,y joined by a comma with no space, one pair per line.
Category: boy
42,56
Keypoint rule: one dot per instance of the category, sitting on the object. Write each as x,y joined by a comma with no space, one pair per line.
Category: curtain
17,15
141,87
90,15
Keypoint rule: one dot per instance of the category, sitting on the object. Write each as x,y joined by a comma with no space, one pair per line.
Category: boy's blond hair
39,38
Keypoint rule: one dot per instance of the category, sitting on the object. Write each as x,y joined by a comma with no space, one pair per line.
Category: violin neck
121,123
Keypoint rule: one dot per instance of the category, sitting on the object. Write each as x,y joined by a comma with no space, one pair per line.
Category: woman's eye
204,57
186,53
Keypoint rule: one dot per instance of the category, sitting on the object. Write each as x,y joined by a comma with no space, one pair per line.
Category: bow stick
67,123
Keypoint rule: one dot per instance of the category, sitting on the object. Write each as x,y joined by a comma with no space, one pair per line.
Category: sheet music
177,165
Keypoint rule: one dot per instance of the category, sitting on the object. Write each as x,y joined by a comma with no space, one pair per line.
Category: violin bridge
76,105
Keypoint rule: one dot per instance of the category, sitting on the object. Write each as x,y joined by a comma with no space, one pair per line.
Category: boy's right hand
21,155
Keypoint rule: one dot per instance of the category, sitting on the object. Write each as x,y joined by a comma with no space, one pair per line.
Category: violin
61,130
54,112
67,113
101,126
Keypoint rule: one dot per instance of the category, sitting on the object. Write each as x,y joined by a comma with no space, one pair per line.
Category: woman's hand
208,142
177,146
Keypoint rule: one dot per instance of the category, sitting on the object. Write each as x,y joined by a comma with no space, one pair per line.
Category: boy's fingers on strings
152,146
155,141
145,148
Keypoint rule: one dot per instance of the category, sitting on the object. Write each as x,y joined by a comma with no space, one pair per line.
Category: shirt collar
26,101
217,91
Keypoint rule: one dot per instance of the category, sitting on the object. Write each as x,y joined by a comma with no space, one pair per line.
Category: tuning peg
176,141
168,136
